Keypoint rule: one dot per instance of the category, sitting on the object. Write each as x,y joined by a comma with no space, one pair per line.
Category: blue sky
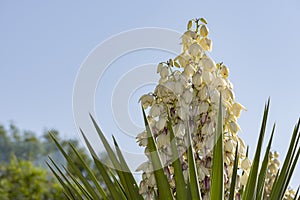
43,43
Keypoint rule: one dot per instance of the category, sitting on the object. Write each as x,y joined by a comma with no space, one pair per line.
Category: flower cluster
273,167
189,91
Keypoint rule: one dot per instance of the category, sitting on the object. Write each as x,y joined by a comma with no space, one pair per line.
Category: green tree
27,150
21,180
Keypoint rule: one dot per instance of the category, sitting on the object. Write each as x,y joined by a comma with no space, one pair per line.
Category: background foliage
23,172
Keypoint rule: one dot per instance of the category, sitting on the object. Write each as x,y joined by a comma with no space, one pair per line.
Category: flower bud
164,72
204,31
159,67
224,71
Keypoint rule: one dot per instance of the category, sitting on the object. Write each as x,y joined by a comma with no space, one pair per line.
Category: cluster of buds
188,92
273,167
272,170
289,194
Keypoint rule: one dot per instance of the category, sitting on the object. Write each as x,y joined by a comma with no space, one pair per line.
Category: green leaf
84,181
116,193
79,185
114,160
264,168
296,195
280,185
251,186
289,176
234,173
89,172
295,160
132,185
193,176
70,191
70,187
217,179
181,191
161,179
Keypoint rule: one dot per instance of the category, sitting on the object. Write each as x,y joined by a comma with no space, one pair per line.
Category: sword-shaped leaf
161,179
217,179
181,190
251,186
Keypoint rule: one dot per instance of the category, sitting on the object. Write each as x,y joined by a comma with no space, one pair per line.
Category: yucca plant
190,141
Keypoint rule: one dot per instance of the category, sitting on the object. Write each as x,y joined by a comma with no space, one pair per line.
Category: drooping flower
191,95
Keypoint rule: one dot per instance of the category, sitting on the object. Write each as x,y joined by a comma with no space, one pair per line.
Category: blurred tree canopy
23,172
22,180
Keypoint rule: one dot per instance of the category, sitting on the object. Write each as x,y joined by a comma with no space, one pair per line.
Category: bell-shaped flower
188,37
188,96
189,71
234,127
179,130
206,44
202,172
219,83
237,108
208,64
155,110
197,80
203,93
161,123
215,96
203,108
178,88
163,140
230,146
152,181
183,59
145,167
146,100
244,178
242,146
142,138
246,164
195,50
183,112
207,77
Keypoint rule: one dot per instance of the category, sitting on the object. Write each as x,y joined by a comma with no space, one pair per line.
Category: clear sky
43,43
